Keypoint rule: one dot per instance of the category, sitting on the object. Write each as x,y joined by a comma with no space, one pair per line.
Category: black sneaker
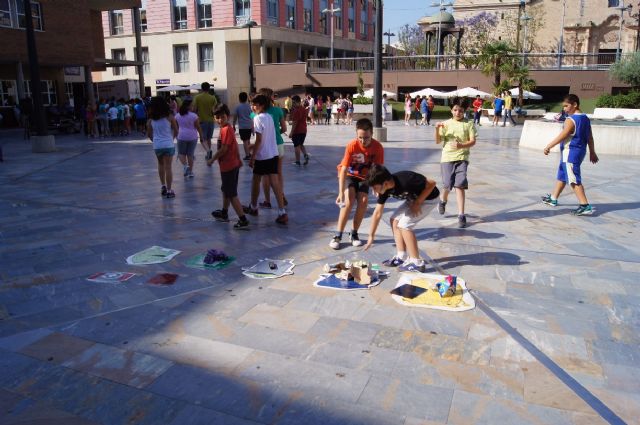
306,160
242,225
163,190
220,215
441,207
209,155
462,221
249,210
171,194
355,240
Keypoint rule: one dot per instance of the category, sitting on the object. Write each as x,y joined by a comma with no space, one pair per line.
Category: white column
263,52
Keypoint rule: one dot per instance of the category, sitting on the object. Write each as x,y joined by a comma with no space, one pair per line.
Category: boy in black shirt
420,195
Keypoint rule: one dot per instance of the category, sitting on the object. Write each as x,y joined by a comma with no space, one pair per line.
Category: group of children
362,167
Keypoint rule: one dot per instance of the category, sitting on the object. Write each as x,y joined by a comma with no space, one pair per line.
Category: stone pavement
219,348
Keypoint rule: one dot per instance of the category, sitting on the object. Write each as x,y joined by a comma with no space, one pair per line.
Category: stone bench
616,113
487,115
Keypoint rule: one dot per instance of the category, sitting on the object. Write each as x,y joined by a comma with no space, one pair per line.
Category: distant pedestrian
407,108
477,110
242,117
431,104
188,131
385,108
203,105
298,131
498,106
161,130
508,106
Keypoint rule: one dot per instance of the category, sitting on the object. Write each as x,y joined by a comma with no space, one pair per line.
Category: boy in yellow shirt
457,136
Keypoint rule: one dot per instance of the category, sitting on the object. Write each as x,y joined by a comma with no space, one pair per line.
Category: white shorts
406,220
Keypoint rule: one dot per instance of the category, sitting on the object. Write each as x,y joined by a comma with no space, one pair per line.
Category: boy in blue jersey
574,138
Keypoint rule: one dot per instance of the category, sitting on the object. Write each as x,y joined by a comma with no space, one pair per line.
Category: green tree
519,76
495,59
627,70
412,40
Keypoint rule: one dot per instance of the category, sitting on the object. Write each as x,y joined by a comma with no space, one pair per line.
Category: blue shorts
207,129
569,172
165,151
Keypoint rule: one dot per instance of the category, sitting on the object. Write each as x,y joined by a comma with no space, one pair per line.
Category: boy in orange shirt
229,160
359,155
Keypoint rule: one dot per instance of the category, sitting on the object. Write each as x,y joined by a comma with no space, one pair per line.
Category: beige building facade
590,26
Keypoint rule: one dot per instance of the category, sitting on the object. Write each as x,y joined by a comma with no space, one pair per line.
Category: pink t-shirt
186,126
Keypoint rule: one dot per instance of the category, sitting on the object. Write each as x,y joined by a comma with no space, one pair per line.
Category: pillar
19,82
136,28
88,85
299,53
263,52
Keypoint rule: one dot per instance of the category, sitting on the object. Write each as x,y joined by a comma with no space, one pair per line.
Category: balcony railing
534,61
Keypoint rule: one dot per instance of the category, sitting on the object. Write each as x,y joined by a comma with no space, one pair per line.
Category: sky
397,13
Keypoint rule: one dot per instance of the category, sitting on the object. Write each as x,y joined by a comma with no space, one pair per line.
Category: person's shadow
449,232
480,259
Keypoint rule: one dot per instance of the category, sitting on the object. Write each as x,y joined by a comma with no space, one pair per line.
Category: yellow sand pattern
432,297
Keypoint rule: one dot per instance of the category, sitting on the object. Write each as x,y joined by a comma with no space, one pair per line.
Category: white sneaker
335,242
355,240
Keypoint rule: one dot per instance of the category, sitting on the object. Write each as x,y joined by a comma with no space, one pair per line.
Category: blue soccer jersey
575,149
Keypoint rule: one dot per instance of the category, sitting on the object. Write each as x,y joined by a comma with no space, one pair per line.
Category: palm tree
519,75
495,58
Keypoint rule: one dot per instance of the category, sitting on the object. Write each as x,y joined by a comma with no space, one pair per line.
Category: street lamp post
521,7
443,8
621,8
331,12
561,42
389,34
252,84
526,18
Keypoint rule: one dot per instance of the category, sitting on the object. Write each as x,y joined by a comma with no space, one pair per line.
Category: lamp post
521,7
331,12
443,8
389,34
526,18
561,42
621,8
252,84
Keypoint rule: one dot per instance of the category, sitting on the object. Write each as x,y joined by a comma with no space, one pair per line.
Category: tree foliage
478,31
627,70
519,76
412,40
495,59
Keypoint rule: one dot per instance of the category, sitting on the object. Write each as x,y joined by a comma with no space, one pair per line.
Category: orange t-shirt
359,159
477,105
231,159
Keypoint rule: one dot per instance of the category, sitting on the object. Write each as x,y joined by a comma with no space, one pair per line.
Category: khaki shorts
406,220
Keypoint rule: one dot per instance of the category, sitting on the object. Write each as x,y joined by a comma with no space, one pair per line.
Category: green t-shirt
463,130
204,103
277,114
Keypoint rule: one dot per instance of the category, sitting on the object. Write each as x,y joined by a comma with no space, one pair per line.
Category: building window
243,11
181,58
324,19
205,57
272,12
179,14
352,16
146,68
119,54
307,16
7,89
364,14
68,91
36,15
48,90
143,16
5,15
116,18
291,14
204,14
337,19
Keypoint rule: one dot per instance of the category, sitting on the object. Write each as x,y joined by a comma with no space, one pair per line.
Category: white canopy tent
515,92
172,88
369,93
429,92
467,92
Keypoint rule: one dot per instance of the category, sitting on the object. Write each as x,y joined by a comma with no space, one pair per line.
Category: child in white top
162,129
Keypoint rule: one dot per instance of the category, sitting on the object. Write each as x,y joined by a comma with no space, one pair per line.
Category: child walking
161,130
359,155
574,139
420,196
457,136
188,132
298,131
228,158
242,116
264,158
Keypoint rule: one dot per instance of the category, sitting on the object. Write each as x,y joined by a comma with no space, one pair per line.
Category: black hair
261,100
222,109
296,98
184,108
158,108
364,124
243,96
462,102
205,86
572,98
378,174
268,93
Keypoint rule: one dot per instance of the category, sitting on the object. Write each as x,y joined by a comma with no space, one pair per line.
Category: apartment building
69,42
587,26
187,42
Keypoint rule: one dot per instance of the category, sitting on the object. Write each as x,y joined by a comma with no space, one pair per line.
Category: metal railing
534,61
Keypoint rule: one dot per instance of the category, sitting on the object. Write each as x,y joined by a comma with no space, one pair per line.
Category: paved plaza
553,339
